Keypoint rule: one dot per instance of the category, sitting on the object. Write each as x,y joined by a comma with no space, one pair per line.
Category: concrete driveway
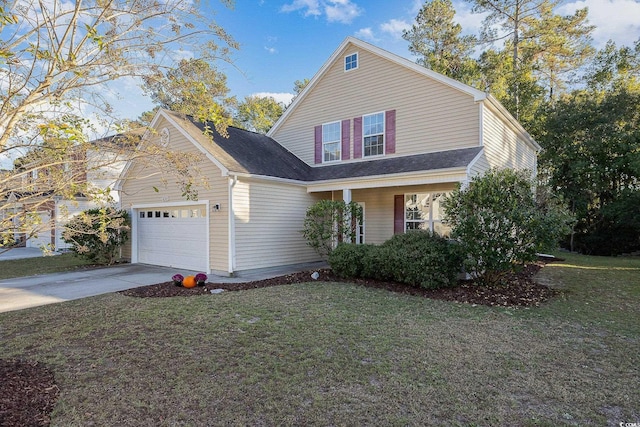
32,291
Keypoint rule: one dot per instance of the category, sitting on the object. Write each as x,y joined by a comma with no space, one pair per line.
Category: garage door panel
175,241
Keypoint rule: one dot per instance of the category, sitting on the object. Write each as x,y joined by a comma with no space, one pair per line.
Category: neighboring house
370,127
46,194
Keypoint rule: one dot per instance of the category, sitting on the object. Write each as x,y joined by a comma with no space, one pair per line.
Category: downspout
232,226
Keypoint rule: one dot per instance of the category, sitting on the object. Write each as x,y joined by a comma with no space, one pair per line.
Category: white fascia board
268,178
473,162
379,181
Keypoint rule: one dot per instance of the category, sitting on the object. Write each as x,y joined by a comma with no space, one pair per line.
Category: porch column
346,195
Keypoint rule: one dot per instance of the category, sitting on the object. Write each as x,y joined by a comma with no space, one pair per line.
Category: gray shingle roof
256,154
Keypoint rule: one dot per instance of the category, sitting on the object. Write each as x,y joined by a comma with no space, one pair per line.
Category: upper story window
331,147
351,62
373,134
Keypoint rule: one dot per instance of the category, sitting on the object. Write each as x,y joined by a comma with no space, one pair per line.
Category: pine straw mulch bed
28,391
519,291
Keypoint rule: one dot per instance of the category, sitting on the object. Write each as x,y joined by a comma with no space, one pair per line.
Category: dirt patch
27,393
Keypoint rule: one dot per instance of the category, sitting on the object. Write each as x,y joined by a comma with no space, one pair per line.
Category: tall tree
592,153
437,41
60,63
258,114
194,88
509,21
58,56
558,46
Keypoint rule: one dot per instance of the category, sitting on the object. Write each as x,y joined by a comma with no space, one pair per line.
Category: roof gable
351,44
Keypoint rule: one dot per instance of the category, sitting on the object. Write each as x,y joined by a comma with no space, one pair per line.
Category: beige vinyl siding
503,145
379,210
138,189
268,219
479,166
430,116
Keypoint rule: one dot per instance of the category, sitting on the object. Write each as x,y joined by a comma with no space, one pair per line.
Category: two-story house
370,127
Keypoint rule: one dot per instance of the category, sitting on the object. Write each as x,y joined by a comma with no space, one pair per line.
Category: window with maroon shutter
346,142
390,132
357,138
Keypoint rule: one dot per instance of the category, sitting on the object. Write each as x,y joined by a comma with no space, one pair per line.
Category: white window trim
357,62
339,141
384,134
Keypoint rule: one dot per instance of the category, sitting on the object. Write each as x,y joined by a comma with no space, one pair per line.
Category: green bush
417,258
500,224
98,234
421,258
347,259
329,222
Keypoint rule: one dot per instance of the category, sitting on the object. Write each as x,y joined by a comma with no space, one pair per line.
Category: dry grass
336,354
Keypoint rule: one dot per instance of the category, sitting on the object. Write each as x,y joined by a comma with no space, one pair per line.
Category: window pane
373,124
141,214
331,132
332,152
373,145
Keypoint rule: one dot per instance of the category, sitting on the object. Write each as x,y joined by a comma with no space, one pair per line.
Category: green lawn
40,265
336,354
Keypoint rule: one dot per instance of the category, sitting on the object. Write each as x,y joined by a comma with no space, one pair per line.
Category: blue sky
287,40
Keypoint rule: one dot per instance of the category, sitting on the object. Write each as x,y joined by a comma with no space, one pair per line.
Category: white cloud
395,27
366,34
471,22
271,50
282,97
614,19
343,11
310,7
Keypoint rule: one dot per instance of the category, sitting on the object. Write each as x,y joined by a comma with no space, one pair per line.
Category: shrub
417,258
329,222
98,234
420,258
500,225
347,259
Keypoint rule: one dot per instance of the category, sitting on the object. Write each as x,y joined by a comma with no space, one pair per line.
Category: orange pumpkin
189,282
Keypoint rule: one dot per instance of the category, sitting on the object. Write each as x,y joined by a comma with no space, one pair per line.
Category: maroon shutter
346,132
357,138
318,144
390,130
398,214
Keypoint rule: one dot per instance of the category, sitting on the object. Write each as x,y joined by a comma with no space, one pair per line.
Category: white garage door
173,236
41,233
